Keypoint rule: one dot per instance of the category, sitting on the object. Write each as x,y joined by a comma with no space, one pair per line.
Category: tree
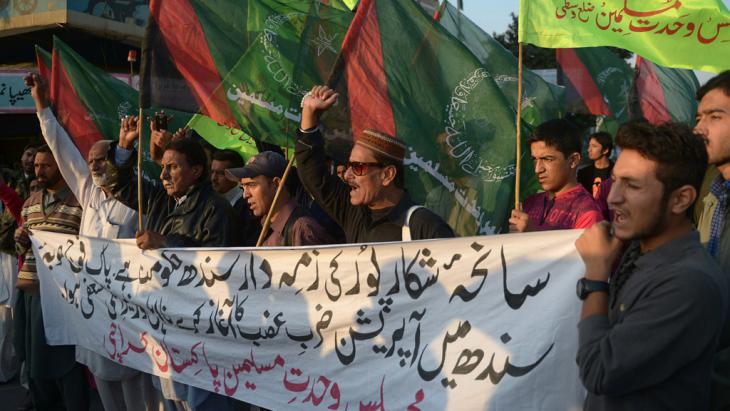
534,57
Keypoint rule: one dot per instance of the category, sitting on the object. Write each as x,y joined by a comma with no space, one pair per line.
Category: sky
493,16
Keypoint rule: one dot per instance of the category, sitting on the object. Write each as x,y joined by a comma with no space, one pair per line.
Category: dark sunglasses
360,169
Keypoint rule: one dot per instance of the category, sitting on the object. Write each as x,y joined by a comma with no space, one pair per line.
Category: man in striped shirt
55,376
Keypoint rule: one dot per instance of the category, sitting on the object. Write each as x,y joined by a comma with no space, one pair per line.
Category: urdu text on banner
464,323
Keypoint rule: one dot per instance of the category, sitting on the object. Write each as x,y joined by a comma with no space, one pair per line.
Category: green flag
602,80
405,75
223,137
246,65
89,102
541,101
693,34
666,94
296,49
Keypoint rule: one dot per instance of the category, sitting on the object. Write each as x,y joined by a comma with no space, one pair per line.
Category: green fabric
283,48
108,99
456,121
43,55
223,137
692,34
613,77
541,100
680,88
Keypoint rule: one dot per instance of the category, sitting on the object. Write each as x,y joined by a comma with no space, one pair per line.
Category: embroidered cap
382,143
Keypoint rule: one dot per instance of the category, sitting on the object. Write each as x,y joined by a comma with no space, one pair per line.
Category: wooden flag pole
132,58
139,170
267,221
518,147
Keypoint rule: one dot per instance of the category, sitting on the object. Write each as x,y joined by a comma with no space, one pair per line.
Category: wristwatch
586,286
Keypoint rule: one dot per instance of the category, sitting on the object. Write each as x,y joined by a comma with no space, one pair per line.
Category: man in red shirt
564,204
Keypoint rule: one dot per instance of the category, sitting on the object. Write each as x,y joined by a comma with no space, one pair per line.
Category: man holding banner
183,212
120,388
565,204
647,338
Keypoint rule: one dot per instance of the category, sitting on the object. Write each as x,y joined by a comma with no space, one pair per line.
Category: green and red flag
602,80
541,101
666,94
691,34
90,102
404,74
70,109
246,66
44,60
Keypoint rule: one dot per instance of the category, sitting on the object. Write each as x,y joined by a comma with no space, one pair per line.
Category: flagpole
267,220
518,147
131,58
139,170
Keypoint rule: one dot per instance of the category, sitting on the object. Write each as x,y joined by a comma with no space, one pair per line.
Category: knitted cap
382,143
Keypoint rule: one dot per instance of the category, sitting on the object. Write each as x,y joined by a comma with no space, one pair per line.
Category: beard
107,179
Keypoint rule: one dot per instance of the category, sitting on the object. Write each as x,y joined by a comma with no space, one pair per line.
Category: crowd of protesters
653,332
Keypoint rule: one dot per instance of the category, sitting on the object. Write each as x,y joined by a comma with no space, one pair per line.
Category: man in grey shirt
647,337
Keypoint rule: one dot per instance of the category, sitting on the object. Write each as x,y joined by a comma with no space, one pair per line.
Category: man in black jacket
371,205
184,212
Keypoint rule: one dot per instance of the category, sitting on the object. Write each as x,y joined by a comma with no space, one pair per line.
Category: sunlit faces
366,189
554,171
259,193
636,197
177,175
218,179
595,150
713,125
46,170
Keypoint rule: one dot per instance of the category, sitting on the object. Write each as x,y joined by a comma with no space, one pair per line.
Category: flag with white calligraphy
464,323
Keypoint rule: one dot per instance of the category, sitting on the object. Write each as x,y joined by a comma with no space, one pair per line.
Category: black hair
560,134
233,159
720,81
193,153
604,139
681,156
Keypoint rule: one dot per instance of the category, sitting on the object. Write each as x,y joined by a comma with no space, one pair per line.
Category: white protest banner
465,323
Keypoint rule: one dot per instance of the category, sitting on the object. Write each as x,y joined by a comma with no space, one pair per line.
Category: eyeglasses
360,169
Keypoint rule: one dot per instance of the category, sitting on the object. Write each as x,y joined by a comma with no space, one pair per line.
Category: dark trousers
68,393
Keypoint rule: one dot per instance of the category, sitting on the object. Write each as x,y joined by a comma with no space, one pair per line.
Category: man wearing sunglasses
564,204
371,205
